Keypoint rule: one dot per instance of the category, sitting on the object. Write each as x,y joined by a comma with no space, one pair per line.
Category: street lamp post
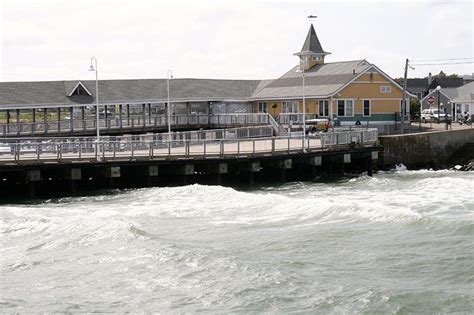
169,75
303,64
94,68
438,88
446,116
304,109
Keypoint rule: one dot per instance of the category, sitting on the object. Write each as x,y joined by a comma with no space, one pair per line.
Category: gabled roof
446,82
444,93
55,93
311,44
77,86
322,80
416,83
462,94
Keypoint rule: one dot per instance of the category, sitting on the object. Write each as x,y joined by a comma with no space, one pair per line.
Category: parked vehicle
433,115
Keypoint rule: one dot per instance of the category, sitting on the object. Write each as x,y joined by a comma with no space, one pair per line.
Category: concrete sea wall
424,149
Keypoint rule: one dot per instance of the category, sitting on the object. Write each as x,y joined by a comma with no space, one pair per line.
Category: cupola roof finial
311,45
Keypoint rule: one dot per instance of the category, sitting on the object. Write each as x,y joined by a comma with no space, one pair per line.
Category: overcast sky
54,40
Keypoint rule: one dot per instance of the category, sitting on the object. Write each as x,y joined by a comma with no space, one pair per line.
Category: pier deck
45,167
67,150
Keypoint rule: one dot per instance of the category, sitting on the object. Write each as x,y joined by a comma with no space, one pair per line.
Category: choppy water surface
395,243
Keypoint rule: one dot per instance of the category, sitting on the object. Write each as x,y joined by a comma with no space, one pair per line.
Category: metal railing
146,147
277,128
295,118
133,122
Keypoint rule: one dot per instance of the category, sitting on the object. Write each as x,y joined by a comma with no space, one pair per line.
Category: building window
262,107
323,108
303,61
341,107
367,109
290,106
345,108
285,107
295,106
385,89
316,58
349,108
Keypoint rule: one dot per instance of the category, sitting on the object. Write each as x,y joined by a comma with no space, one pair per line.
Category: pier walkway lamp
438,88
303,64
93,67
169,76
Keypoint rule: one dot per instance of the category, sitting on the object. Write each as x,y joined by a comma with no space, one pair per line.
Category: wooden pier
67,165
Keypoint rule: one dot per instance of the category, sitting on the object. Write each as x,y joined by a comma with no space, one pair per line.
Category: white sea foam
300,246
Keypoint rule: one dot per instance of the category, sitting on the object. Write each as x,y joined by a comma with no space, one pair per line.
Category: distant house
422,86
417,86
456,100
445,83
468,78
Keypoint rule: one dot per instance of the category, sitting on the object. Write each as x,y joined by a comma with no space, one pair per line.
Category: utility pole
404,96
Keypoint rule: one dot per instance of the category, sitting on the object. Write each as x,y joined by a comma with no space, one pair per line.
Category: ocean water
399,242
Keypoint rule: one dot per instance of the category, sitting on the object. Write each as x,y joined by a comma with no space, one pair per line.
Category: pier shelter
348,92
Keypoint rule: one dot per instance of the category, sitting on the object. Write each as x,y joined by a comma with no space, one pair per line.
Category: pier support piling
112,173
33,177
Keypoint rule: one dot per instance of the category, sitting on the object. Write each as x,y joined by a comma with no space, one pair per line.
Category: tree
444,75
415,106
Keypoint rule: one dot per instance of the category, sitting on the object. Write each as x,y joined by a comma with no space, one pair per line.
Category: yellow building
348,91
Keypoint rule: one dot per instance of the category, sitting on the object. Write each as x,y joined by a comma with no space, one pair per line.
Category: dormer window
80,89
303,61
316,58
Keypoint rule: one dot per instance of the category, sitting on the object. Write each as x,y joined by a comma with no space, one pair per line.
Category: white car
433,116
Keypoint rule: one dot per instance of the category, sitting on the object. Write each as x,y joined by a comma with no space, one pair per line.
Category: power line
441,64
447,59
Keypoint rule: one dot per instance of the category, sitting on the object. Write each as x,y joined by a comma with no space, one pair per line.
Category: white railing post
169,146
238,147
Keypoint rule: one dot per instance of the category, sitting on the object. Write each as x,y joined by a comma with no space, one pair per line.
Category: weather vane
312,18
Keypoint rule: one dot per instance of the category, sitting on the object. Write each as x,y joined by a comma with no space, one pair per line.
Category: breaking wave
218,249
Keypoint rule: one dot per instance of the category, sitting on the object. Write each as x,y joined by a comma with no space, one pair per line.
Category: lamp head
438,88
91,68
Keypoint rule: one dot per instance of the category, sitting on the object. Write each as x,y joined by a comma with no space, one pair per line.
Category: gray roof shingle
312,44
320,81
463,94
54,93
